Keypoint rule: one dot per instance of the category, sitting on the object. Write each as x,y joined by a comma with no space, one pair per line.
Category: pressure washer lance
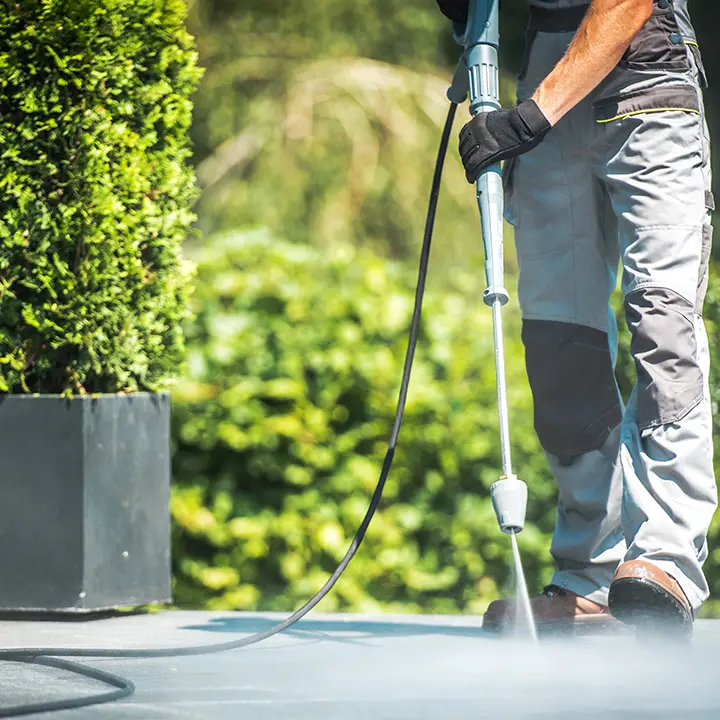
477,74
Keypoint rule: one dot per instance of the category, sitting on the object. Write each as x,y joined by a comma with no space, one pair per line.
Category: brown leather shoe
648,598
556,610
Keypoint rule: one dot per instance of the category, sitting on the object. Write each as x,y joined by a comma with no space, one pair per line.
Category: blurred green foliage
281,426
321,121
96,189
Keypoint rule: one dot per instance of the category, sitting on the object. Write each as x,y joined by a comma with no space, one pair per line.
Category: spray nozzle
509,498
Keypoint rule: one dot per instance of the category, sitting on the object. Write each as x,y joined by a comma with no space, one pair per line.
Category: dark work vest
681,10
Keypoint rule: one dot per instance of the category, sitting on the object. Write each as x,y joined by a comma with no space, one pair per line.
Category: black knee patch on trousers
664,347
571,375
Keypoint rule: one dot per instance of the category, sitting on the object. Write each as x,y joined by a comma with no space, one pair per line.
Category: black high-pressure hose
124,688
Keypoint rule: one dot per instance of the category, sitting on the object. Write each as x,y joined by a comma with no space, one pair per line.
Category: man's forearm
599,44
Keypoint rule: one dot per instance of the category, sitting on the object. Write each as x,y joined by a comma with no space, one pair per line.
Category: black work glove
456,10
494,136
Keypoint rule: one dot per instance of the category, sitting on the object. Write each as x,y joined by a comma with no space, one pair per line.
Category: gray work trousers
623,179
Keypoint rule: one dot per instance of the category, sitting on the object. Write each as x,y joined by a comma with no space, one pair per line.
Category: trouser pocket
703,275
664,348
660,98
702,79
658,45
707,241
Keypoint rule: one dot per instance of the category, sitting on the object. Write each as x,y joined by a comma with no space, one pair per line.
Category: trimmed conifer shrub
95,193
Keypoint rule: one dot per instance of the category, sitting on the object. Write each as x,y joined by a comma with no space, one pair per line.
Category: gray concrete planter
84,502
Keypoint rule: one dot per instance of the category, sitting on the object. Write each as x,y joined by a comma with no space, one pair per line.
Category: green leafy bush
96,190
281,427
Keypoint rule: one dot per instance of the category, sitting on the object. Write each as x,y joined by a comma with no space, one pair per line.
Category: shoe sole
580,626
651,609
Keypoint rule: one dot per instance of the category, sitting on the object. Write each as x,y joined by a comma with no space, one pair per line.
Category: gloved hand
456,10
494,136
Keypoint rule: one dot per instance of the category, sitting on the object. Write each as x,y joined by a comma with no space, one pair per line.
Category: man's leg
568,262
658,173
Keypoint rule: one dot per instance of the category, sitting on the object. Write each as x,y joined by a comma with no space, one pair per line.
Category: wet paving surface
345,667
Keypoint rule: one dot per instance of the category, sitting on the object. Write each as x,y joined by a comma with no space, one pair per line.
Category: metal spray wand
477,74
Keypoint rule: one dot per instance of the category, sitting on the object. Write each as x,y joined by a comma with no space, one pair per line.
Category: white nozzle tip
509,498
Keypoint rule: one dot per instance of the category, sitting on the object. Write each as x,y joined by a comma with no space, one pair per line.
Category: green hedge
281,427
96,189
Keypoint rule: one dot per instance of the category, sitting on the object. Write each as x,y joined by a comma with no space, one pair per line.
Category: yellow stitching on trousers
651,110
